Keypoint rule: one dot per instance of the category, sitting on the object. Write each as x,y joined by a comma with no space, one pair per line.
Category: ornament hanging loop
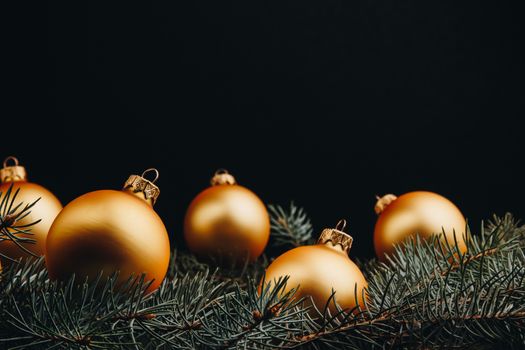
341,225
221,171
151,170
13,158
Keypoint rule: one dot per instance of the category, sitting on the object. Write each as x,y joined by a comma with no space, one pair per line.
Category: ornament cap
142,187
383,202
336,236
222,177
12,173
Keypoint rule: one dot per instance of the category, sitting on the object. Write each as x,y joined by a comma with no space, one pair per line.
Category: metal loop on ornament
221,171
149,170
13,158
341,225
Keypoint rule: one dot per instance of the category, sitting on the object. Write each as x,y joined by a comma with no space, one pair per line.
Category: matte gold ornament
227,223
419,212
318,269
45,210
110,231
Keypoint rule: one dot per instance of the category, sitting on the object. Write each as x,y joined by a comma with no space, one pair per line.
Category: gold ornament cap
383,202
12,173
337,236
143,187
222,177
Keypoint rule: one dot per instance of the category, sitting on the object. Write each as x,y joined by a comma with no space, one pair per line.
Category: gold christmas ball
107,231
318,269
45,210
420,212
227,223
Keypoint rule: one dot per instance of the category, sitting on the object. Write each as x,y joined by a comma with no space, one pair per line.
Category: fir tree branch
426,296
12,227
290,227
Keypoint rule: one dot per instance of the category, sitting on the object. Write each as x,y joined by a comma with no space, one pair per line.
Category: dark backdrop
326,103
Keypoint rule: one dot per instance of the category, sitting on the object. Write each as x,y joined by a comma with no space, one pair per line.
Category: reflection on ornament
419,212
107,231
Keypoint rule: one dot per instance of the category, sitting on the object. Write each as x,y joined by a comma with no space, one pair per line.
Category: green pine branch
290,227
11,215
427,295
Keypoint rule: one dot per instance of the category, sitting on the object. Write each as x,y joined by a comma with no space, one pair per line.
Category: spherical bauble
318,269
420,212
227,223
45,210
107,231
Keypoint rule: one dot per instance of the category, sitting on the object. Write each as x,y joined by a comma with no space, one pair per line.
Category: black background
326,103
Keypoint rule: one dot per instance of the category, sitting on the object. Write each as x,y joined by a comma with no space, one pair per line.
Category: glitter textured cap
138,184
222,177
337,236
11,173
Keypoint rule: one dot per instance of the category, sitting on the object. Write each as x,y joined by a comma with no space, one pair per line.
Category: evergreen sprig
290,227
427,295
12,225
